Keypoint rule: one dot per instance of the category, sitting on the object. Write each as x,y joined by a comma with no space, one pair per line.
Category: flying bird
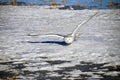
69,38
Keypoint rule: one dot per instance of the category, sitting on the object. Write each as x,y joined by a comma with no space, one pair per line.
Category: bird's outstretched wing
81,24
47,35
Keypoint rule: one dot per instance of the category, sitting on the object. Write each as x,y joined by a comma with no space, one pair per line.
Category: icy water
95,55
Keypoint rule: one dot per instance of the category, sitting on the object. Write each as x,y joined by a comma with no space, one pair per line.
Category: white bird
71,37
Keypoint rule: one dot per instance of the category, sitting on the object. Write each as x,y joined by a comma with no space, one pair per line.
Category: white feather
69,38
47,35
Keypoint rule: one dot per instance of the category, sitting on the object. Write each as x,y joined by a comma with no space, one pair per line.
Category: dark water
85,67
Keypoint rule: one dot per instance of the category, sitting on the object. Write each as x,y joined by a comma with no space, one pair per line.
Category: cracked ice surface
94,55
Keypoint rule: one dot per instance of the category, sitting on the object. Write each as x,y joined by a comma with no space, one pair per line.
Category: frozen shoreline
98,44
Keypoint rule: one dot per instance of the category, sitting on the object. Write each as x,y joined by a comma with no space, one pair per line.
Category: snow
98,43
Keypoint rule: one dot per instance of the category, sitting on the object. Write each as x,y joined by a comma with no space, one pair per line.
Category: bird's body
69,38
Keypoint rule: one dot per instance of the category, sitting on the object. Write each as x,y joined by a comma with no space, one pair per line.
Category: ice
96,49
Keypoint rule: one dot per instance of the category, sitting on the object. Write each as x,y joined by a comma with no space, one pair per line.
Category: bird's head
68,39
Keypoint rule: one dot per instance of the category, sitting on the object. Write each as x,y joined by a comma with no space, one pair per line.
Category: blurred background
76,4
